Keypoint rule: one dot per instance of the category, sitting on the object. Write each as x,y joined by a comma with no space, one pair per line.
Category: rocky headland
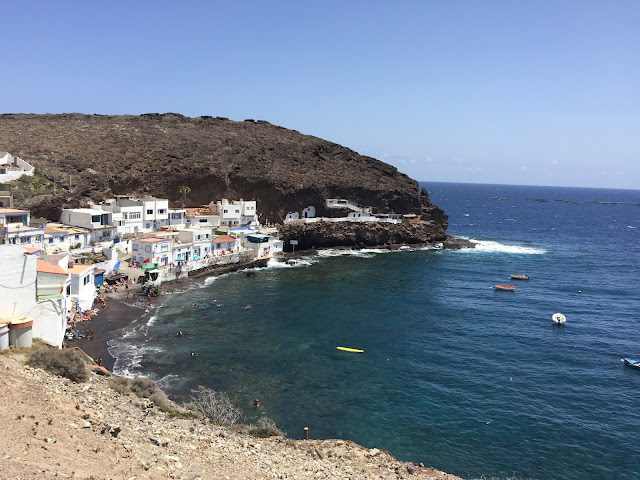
93,157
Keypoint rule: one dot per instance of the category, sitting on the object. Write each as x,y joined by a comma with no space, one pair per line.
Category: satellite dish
558,318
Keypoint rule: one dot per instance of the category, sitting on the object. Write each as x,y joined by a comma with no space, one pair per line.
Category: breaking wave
496,247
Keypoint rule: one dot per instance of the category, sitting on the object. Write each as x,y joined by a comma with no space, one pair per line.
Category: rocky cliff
92,157
359,234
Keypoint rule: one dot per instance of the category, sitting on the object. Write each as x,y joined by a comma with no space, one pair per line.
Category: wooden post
306,433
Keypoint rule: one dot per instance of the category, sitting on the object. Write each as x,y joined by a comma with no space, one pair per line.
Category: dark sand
107,325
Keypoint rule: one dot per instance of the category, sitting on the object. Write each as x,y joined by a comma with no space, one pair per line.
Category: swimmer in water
179,334
193,353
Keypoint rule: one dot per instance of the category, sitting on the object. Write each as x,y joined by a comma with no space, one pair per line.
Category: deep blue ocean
455,374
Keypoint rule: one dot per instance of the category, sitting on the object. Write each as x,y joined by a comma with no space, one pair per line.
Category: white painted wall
17,282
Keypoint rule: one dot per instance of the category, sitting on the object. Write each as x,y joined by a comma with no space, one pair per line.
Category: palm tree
184,191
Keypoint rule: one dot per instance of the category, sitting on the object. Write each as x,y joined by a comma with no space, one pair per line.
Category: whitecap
496,247
629,226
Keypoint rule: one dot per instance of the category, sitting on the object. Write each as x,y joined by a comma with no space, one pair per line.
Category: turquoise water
456,375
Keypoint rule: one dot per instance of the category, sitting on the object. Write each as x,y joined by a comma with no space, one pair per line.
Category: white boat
558,318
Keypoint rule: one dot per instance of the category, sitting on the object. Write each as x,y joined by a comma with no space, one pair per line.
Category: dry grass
26,351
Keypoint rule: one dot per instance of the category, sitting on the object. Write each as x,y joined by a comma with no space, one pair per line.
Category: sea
469,380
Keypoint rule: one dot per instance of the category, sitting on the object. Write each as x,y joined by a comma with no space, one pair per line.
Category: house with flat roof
200,238
97,221
12,167
153,249
16,228
61,238
83,289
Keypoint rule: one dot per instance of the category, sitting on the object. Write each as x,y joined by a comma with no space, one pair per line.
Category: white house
17,281
224,244
59,237
12,168
262,245
36,292
182,252
15,228
200,238
177,218
202,217
236,212
53,302
127,214
97,221
155,213
83,289
155,249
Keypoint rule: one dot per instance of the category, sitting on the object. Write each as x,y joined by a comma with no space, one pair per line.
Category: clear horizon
496,93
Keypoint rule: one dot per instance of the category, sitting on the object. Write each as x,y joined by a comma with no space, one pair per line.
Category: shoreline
125,307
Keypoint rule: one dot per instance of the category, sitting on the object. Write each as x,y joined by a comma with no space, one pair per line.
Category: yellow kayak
347,349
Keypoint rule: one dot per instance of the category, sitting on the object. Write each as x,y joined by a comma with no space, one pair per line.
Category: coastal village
58,272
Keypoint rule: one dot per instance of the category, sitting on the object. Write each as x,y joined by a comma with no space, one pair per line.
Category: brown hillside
92,157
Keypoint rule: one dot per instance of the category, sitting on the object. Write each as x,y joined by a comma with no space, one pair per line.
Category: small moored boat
631,361
558,318
520,277
505,288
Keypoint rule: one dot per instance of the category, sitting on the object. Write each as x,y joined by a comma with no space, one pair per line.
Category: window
95,218
149,212
147,249
50,239
134,247
162,211
226,211
76,237
148,225
164,248
86,279
134,216
202,220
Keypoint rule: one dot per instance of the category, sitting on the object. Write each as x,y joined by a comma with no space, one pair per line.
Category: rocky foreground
52,427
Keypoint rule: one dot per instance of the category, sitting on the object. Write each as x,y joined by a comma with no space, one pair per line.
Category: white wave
339,252
291,263
629,226
496,247
128,357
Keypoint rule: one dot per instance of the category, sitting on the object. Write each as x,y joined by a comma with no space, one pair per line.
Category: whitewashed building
12,168
127,214
53,302
60,238
177,218
224,244
262,245
83,289
33,291
15,228
155,213
200,238
97,221
155,249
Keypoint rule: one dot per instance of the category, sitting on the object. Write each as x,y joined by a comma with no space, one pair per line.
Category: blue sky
515,92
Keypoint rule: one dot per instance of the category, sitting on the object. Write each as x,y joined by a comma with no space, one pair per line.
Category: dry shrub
144,387
214,405
122,385
64,363
265,427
